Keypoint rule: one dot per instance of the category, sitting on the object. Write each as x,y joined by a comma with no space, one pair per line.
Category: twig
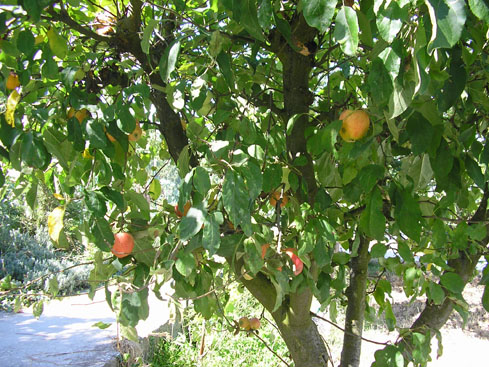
347,332
270,349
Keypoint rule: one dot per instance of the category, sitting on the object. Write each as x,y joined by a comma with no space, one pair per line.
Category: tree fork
355,311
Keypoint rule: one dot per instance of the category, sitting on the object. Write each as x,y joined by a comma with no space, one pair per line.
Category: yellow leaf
86,154
55,222
58,196
12,102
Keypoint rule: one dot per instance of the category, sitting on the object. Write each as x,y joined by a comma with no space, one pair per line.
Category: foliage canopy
245,97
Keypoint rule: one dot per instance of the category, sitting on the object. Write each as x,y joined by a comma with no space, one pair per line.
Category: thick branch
433,316
64,17
298,99
355,311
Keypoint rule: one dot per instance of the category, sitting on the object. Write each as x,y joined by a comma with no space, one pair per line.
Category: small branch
346,332
270,349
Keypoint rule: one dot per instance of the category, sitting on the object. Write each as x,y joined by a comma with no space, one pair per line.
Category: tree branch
65,18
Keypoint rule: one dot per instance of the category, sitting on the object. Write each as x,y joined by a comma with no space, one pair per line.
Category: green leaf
447,22
95,202
453,282
34,153
253,255
126,121
390,356
455,84
96,134
475,172
224,61
405,252
236,201
341,258
378,250
101,325
284,28
114,196
265,14
249,19
58,45
155,189
420,133
319,13
436,293
389,20
148,31
138,204
211,237
101,234
201,180
324,139
480,8
484,157
346,30
75,134
191,224
408,214
25,42
380,80
372,220
169,60
185,263
251,172
443,162
33,8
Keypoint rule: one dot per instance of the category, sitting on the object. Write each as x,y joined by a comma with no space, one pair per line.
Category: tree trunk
297,100
355,311
305,344
293,319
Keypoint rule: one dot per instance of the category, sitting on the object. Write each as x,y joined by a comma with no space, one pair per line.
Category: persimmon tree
245,98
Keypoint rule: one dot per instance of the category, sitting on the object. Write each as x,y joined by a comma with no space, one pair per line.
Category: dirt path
65,336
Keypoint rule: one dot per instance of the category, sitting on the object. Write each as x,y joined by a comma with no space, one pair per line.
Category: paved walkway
64,335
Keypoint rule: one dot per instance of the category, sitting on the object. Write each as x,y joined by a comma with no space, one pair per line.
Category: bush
223,346
25,257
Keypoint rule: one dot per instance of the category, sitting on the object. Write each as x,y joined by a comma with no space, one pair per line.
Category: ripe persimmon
355,124
12,81
123,244
276,197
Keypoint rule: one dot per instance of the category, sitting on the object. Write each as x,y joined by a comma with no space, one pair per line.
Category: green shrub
223,346
25,257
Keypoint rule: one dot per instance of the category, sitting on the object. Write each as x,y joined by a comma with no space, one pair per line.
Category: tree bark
293,319
297,100
355,311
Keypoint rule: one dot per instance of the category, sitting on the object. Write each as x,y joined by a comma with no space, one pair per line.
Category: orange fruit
12,81
244,323
123,244
355,125
136,134
254,323
276,197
